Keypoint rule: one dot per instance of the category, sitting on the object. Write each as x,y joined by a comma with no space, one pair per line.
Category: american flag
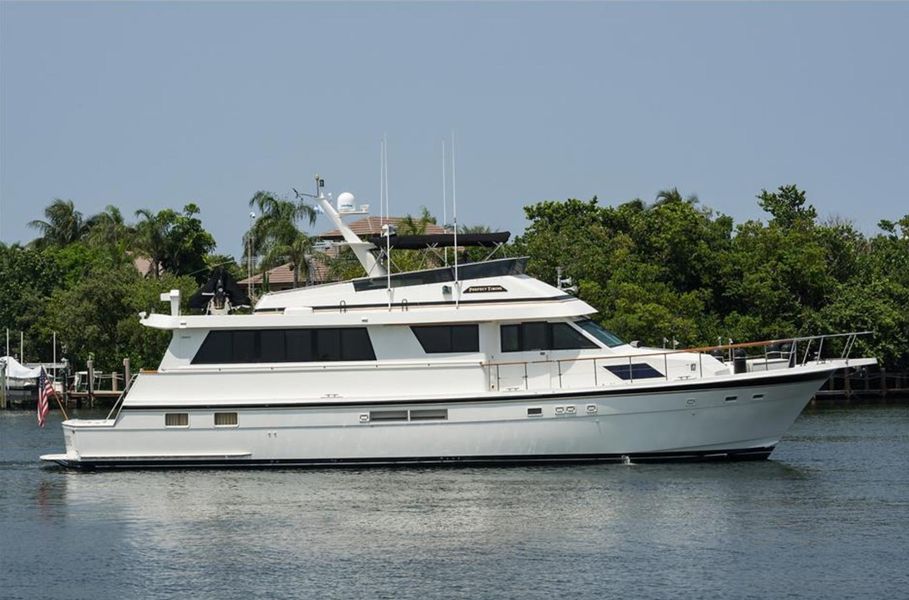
45,391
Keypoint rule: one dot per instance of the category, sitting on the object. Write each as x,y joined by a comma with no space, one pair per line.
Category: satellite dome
346,202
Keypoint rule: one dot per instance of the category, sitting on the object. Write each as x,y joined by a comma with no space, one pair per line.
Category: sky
154,105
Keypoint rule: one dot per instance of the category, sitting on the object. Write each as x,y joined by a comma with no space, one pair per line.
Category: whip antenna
454,210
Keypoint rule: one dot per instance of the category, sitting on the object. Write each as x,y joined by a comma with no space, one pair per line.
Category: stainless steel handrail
119,403
699,349
792,355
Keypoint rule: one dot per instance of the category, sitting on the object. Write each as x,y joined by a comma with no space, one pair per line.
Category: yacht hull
706,420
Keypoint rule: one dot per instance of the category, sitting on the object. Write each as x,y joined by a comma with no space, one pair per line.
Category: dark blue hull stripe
465,461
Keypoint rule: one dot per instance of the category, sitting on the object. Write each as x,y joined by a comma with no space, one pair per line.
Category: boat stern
72,457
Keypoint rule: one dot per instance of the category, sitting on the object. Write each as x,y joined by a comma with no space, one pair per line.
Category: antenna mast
454,210
381,178
386,225
444,200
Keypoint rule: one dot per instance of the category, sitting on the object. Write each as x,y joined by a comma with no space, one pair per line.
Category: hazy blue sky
155,105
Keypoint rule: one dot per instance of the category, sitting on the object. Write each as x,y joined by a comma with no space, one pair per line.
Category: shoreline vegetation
658,272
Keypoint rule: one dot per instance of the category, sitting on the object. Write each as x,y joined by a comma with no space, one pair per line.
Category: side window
328,344
217,348
448,338
298,345
244,350
534,336
271,342
511,338
539,335
433,338
566,337
279,345
465,338
356,345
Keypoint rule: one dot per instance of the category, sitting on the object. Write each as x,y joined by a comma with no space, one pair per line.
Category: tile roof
283,275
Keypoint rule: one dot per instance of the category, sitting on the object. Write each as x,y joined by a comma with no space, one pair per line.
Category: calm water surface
827,517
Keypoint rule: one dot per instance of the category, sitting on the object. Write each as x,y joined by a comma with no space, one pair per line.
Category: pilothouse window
610,339
538,335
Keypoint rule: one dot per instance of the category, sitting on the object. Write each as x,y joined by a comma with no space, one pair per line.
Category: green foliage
78,280
345,265
227,263
27,277
649,270
275,235
174,242
63,225
787,206
676,270
672,269
99,315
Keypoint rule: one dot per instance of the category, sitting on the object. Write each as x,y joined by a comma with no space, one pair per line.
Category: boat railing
645,366
115,409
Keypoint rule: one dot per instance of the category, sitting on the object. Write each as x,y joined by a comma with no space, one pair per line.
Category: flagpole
62,410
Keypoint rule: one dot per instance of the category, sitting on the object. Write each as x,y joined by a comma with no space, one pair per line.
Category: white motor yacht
472,363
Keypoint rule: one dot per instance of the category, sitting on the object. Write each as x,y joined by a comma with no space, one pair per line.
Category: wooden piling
90,367
3,400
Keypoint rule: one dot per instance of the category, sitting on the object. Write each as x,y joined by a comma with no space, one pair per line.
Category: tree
109,231
674,196
99,315
187,244
409,225
275,235
27,278
175,242
296,251
787,206
63,225
227,262
277,221
151,237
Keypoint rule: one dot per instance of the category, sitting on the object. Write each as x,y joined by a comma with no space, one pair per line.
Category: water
827,517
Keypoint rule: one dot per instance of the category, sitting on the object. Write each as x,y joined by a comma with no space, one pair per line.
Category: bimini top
442,240
491,268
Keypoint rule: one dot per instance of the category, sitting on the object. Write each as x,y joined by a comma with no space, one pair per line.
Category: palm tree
108,229
275,235
411,226
64,224
673,195
151,237
277,221
296,251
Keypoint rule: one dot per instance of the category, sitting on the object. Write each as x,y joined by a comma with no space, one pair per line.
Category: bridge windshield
610,339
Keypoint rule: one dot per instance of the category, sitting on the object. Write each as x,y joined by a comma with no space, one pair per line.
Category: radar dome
346,202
